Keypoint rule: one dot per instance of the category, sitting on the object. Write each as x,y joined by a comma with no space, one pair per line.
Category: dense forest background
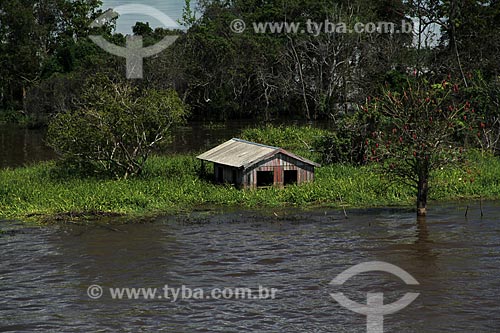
45,55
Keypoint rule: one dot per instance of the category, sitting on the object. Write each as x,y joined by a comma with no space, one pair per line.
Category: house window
290,177
220,174
265,178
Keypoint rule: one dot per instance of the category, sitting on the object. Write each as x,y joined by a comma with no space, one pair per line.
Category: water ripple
45,272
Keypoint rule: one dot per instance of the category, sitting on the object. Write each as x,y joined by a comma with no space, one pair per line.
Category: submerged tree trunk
423,191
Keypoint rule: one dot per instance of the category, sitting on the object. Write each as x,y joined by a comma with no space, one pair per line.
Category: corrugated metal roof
241,154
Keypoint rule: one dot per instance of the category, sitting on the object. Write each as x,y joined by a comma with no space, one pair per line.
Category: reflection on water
20,146
45,272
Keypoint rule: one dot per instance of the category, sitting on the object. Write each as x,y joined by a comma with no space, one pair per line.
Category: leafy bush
115,127
345,143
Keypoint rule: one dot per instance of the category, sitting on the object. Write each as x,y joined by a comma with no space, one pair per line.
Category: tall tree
469,35
37,39
420,129
284,72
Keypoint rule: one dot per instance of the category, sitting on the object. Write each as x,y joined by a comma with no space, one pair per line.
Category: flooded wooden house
250,165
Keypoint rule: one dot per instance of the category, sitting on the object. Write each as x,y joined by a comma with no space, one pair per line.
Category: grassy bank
172,184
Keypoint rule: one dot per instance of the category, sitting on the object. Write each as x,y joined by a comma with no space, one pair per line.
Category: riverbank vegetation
46,54
172,184
402,115
115,127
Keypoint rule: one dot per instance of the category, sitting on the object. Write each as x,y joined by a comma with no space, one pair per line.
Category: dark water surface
21,146
45,272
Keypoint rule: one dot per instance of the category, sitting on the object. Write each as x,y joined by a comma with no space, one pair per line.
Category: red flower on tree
426,120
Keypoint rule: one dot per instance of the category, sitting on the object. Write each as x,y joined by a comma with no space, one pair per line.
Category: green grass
481,178
172,184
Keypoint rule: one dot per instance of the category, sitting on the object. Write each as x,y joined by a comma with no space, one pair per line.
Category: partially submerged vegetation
403,113
172,184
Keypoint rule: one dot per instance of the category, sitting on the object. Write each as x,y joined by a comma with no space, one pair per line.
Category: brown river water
46,272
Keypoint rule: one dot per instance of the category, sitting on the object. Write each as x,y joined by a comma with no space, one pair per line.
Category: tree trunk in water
423,191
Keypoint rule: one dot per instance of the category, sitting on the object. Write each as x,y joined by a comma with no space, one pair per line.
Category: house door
234,176
220,174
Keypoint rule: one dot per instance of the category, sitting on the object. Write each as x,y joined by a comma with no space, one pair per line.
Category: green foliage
478,178
423,125
188,16
486,97
142,29
268,75
39,38
12,116
419,130
52,96
265,76
171,184
300,140
115,127
345,143
472,32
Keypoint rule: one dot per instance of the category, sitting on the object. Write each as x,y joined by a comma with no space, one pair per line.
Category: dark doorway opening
220,174
290,177
234,176
265,178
